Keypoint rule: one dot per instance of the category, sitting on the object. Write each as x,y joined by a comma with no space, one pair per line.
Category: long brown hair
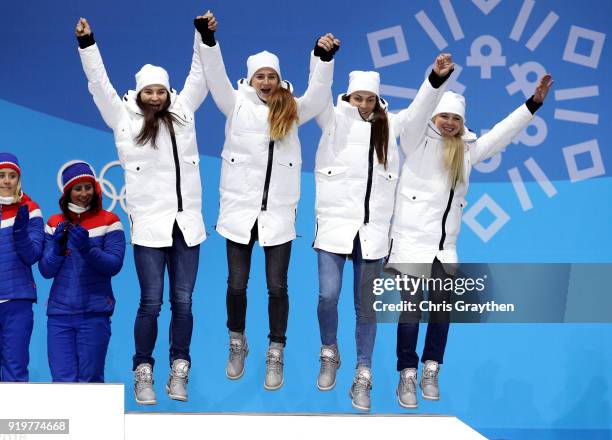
379,131
151,122
282,113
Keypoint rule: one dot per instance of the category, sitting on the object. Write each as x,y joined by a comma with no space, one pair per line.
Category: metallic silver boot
330,362
274,367
238,351
143,385
406,389
177,382
429,381
360,390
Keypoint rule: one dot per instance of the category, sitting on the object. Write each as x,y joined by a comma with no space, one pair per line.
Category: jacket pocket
285,180
332,188
234,173
141,185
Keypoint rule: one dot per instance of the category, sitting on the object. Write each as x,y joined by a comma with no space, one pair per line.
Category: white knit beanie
364,81
451,102
261,60
149,75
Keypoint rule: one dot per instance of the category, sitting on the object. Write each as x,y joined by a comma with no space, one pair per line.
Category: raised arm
195,89
219,84
318,93
411,123
325,49
108,102
502,133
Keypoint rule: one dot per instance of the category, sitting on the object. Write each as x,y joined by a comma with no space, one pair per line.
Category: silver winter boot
238,351
274,367
143,385
330,362
406,388
360,390
177,382
429,381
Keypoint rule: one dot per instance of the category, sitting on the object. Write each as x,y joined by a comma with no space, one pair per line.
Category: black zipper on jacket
264,199
366,202
177,167
448,207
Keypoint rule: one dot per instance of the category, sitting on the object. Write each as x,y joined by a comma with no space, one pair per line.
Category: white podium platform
154,426
96,411
64,411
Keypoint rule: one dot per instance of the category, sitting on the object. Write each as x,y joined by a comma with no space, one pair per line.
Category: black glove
86,41
208,36
323,54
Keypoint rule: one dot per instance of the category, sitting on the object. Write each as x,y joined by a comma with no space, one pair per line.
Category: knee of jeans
328,300
149,308
236,292
180,305
279,292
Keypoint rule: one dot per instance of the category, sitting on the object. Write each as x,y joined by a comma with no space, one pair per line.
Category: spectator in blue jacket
84,248
21,240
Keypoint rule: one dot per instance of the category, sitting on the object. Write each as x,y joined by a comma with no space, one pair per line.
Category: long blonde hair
453,157
282,113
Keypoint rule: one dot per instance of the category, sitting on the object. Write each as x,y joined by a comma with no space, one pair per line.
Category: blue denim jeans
182,262
239,268
16,323
331,267
437,327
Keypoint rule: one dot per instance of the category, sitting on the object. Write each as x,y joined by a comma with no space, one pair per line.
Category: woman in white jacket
155,137
260,184
427,219
356,171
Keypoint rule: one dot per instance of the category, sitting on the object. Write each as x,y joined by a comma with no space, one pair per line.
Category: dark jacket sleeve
109,259
29,241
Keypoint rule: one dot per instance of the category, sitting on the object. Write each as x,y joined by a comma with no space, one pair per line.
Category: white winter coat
424,193
245,155
342,173
150,174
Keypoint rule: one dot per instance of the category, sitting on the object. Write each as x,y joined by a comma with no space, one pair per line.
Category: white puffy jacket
343,174
150,174
428,213
247,152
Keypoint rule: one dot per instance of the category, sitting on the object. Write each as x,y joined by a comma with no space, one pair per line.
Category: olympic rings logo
108,188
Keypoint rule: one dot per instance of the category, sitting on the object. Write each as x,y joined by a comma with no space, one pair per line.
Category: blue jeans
331,267
16,322
182,262
239,268
77,346
437,328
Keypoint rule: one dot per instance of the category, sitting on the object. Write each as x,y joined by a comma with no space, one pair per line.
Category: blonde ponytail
282,113
453,158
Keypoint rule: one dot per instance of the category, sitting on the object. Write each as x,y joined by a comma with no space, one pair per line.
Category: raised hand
82,28
443,64
542,88
209,18
328,42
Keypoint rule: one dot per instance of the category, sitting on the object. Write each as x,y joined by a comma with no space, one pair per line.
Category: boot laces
273,361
